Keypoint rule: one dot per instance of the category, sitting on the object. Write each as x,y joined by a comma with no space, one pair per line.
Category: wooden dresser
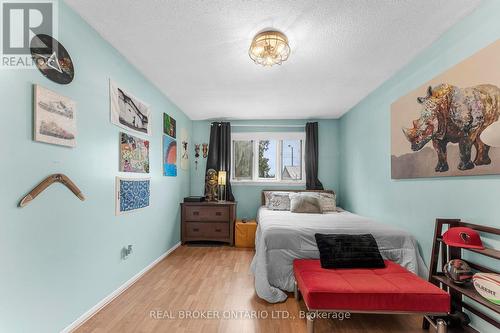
208,221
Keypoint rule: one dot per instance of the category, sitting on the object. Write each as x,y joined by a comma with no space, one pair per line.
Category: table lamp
222,185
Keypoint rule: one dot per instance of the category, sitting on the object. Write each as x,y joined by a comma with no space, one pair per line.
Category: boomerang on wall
55,178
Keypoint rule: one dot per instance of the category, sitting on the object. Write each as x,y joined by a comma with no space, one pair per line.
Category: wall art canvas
436,129
132,194
128,112
134,154
169,125
169,156
54,118
184,138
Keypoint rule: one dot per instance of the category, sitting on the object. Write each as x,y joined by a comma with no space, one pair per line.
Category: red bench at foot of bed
392,289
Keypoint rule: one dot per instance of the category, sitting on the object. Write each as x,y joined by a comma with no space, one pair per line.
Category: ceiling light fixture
269,48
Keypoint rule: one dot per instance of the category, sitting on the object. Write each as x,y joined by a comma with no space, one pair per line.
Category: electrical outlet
126,252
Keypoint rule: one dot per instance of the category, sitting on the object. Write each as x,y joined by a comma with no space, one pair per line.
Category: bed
283,236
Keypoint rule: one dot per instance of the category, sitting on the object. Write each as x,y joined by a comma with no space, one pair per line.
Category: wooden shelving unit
458,292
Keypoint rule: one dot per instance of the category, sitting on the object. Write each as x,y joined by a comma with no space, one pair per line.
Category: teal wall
61,256
413,204
248,196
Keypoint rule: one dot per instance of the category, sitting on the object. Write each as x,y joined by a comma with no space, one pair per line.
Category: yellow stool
245,234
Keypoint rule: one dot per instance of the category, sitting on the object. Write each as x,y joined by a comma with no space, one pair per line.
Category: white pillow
268,194
279,201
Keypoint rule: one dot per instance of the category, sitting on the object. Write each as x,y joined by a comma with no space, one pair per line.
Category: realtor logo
21,21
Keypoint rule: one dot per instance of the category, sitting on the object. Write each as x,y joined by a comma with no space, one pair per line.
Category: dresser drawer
207,230
206,213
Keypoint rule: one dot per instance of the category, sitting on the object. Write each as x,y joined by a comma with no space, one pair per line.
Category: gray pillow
305,203
328,202
279,201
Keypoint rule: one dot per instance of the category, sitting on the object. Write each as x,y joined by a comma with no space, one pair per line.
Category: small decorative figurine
205,150
211,183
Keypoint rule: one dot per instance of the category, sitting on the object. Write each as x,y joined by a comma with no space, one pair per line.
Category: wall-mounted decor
52,59
436,129
184,149
128,112
55,178
169,125
169,156
196,155
131,194
55,118
205,149
134,154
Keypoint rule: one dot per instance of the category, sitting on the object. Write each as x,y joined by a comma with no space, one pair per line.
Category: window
243,159
268,157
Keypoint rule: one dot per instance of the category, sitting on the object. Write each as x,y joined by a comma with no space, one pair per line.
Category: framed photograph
134,154
54,118
131,194
436,129
169,156
128,112
169,126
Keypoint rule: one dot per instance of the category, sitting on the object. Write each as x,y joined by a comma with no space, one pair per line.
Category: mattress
283,236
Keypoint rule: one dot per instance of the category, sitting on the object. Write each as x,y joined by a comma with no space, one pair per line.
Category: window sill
267,183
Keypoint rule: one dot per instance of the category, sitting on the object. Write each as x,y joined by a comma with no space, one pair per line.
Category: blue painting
169,156
132,194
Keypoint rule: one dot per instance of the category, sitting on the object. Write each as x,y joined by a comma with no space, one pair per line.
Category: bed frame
263,197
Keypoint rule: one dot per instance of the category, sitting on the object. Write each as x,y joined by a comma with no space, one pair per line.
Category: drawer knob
196,229
218,213
196,213
218,230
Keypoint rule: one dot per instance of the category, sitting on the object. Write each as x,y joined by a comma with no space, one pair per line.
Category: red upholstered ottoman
378,290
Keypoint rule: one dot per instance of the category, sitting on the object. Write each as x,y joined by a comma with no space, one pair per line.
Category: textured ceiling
195,51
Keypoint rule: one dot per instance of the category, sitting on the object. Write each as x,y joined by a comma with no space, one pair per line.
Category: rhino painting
436,128
456,115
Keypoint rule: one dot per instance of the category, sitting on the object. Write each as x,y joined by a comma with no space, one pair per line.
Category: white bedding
283,236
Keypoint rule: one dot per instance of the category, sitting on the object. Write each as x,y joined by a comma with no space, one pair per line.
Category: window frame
256,137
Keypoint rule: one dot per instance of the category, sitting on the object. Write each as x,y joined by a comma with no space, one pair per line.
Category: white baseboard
106,300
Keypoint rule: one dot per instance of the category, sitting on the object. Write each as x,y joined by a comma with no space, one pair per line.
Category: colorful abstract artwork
169,156
55,118
184,137
436,129
134,154
169,125
132,194
128,112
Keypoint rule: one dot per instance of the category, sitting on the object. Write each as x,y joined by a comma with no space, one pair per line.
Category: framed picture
128,112
169,156
436,129
131,194
54,118
169,125
134,154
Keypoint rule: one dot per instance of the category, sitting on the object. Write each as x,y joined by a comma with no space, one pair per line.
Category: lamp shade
222,177
491,135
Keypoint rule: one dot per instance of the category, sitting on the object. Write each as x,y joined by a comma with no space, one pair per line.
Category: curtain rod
266,125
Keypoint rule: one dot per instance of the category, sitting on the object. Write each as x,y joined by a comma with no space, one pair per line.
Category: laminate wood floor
218,279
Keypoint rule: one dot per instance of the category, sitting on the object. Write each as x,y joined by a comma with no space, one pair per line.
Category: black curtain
219,152
311,156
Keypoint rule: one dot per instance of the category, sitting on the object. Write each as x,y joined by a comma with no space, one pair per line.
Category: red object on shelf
463,237
389,289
